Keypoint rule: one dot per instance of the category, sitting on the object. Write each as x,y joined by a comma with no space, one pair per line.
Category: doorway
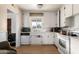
11,28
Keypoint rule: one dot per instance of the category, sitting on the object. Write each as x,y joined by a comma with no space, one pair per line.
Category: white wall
76,21
26,19
73,21
3,17
3,23
70,21
50,19
18,29
3,36
57,21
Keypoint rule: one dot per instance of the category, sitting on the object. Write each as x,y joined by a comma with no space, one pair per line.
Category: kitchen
67,30
44,25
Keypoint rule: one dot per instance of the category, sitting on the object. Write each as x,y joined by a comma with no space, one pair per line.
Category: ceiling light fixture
39,5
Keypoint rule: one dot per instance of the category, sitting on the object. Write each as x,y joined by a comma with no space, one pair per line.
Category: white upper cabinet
66,13
75,9
68,10
62,17
71,9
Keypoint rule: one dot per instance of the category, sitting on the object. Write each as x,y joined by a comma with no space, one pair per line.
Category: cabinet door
75,9
45,38
36,40
74,45
24,39
56,40
62,17
68,10
48,38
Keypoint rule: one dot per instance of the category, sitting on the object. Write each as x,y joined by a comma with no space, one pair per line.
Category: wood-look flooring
37,49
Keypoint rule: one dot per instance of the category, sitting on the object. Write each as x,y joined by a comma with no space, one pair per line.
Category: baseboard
38,44
47,44
25,44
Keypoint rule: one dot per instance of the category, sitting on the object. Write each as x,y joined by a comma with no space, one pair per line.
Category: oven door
62,46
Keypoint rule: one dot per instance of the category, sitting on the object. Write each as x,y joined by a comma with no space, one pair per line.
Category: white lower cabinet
36,39
47,38
50,38
24,39
74,45
56,39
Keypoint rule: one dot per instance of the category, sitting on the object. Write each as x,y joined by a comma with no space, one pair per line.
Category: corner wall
3,22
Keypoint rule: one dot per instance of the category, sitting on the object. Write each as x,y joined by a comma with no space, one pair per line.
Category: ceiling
34,7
